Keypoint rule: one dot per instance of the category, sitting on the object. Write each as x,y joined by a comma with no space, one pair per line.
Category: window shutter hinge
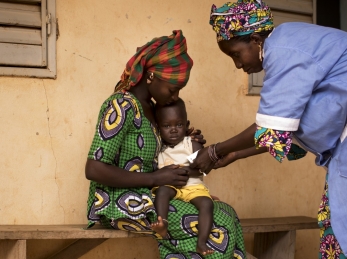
48,22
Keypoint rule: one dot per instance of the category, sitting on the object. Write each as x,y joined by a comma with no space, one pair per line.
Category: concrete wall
47,125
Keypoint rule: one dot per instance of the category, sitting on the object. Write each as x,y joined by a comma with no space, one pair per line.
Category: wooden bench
274,238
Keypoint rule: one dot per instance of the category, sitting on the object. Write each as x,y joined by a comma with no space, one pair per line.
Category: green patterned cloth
125,138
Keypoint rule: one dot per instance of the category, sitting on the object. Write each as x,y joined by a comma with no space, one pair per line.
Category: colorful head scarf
240,18
165,56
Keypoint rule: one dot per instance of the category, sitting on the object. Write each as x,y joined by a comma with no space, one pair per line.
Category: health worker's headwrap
165,56
240,18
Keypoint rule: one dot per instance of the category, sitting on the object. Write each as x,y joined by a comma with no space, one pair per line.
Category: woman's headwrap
165,56
240,18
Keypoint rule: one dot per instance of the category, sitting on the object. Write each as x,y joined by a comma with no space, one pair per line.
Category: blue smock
305,91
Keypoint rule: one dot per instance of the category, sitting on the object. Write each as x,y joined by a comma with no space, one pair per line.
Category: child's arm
196,146
194,172
195,134
233,156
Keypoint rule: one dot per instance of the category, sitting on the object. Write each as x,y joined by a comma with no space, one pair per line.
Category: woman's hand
226,160
192,172
171,175
196,135
203,161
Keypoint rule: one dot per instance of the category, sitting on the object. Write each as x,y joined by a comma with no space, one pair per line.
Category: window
284,11
28,38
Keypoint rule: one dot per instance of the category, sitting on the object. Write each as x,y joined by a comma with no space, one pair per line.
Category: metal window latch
48,22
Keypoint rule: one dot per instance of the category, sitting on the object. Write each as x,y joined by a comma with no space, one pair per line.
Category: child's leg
205,207
163,195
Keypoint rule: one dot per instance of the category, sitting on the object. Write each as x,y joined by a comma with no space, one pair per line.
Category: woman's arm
116,177
233,156
241,141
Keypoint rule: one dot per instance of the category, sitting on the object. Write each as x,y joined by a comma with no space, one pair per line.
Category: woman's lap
226,236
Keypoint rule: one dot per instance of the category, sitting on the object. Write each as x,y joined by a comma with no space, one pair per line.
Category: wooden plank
282,17
44,33
47,72
13,249
20,15
255,225
52,39
275,245
60,232
249,256
258,225
78,248
27,1
295,6
29,7
20,35
20,55
258,78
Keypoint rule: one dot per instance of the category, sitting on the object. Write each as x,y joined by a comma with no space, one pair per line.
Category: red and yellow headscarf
165,56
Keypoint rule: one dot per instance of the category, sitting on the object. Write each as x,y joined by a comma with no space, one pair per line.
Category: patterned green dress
125,138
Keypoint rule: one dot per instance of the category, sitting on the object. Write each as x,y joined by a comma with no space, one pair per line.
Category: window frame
50,70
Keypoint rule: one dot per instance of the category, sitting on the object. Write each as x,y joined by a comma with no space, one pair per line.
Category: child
173,124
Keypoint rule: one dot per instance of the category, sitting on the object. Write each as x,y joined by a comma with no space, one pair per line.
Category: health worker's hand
226,160
203,161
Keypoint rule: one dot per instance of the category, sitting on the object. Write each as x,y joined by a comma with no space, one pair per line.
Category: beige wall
47,125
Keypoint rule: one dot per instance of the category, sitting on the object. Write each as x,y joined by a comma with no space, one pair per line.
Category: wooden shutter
23,33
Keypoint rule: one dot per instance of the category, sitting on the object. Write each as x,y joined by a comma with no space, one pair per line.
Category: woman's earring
260,52
150,78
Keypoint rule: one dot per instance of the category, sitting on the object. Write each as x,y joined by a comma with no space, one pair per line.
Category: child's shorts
188,193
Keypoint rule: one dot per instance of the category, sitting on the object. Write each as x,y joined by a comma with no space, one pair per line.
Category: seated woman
122,162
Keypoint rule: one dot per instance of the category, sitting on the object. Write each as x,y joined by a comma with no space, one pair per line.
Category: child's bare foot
204,249
160,227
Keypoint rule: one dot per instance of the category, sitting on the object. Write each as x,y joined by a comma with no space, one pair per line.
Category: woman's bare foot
160,227
204,249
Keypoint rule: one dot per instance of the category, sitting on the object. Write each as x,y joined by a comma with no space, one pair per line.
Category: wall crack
51,144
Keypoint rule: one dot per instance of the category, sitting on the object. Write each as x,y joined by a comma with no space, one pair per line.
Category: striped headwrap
165,56
240,18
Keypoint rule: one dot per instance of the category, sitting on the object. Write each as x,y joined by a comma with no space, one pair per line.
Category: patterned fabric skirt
134,211
329,246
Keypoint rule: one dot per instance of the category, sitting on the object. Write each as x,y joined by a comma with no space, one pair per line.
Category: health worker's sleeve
290,77
279,144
